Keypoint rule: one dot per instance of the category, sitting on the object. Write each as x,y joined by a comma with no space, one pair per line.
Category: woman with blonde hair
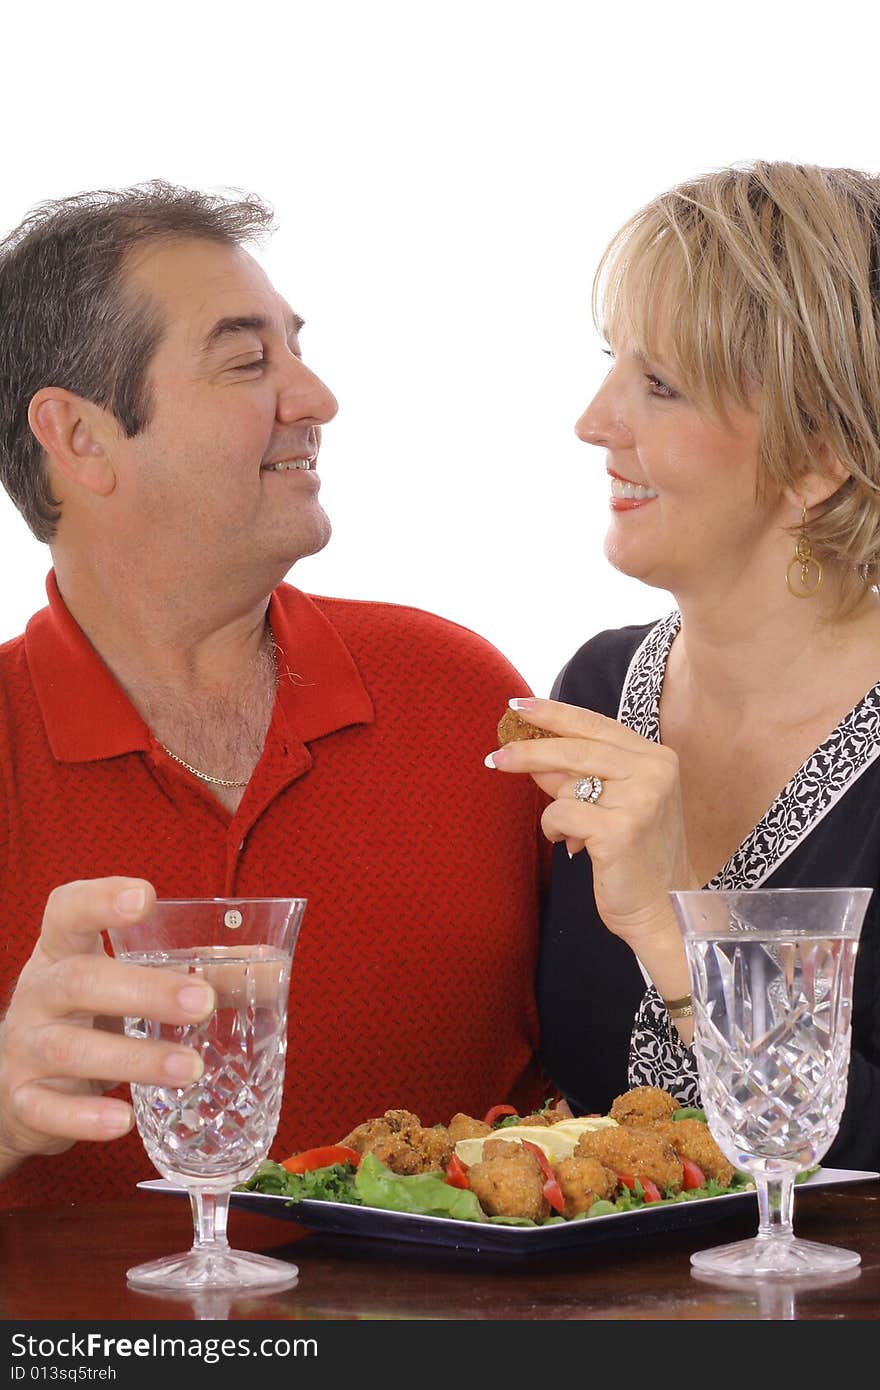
736,742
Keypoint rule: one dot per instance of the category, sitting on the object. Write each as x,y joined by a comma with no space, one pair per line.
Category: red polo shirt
413,974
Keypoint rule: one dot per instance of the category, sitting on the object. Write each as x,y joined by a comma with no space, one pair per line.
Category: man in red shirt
181,722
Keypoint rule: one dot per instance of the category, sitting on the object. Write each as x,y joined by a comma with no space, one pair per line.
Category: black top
822,831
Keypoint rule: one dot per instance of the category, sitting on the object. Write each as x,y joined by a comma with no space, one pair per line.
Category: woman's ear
817,484
73,431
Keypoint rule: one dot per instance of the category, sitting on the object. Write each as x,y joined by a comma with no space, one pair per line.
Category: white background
445,174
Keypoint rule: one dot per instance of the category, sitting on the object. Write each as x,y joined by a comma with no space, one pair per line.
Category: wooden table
69,1263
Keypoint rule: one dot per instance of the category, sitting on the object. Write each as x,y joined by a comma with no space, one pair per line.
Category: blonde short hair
764,280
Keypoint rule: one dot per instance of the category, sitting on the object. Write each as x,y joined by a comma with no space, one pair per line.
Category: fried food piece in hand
643,1105
508,1181
639,1153
512,727
692,1139
402,1143
583,1182
463,1126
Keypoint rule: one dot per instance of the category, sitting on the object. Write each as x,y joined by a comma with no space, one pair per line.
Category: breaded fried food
692,1139
463,1126
643,1105
392,1122
402,1143
512,726
554,1115
639,1153
427,1152
508,1181
541,1119
583,1182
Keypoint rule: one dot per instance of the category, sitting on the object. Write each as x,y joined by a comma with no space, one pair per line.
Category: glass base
767,1257
214,1269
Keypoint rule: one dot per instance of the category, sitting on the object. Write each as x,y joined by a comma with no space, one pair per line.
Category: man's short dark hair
69,319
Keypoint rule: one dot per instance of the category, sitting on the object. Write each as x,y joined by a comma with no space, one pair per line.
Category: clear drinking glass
771,979
213,1133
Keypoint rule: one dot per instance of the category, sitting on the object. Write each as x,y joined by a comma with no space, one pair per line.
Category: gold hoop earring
806,562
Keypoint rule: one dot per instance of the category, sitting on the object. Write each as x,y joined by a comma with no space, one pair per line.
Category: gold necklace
226,781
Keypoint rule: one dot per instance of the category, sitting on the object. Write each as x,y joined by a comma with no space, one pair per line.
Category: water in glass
222,1124
775,1044
771,979
211,1134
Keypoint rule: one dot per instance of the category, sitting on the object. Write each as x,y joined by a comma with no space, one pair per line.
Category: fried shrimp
392,1122
402,1143
508,1181
643,1105
463,1126
583,1182
691,1139
639,1153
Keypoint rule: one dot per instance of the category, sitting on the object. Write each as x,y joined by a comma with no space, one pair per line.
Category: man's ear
73,432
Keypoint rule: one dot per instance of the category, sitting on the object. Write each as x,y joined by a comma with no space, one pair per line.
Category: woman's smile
627,495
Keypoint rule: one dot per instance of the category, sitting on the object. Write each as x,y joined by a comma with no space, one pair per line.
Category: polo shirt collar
319,686
88,716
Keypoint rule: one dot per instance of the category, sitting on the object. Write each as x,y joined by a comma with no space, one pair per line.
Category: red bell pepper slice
692,1174
552,1191
456,1173
650,1190
321,1158
496,1113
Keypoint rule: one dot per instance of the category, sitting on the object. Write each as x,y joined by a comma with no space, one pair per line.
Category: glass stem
210,1210
775,1205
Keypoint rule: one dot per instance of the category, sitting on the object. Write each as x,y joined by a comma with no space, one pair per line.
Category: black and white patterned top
822,830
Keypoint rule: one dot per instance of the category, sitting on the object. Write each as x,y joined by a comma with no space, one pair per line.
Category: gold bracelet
679,1008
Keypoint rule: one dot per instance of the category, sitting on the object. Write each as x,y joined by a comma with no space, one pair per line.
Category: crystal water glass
212,1134
771,979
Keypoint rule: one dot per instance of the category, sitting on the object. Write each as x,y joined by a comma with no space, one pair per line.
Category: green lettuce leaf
332,1184
423,1194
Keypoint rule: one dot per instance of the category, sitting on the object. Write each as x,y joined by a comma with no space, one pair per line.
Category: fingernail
114,1118
196,1000
522,703
500,758
183,1066
131,900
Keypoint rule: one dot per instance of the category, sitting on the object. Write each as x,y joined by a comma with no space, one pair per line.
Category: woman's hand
61,1037
634,833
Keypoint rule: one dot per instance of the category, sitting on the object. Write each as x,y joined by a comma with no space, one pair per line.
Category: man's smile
290,465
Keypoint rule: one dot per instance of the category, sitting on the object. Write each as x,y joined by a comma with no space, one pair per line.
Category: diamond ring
588,789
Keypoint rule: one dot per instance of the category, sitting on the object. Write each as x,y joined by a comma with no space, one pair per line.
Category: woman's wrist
663,958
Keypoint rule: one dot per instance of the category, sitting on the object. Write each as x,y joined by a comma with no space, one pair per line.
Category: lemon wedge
584,1124
557,1141
555,1145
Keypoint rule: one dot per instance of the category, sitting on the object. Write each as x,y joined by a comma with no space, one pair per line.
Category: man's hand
61,1038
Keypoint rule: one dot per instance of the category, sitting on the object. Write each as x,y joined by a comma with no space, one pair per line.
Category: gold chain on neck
226,781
